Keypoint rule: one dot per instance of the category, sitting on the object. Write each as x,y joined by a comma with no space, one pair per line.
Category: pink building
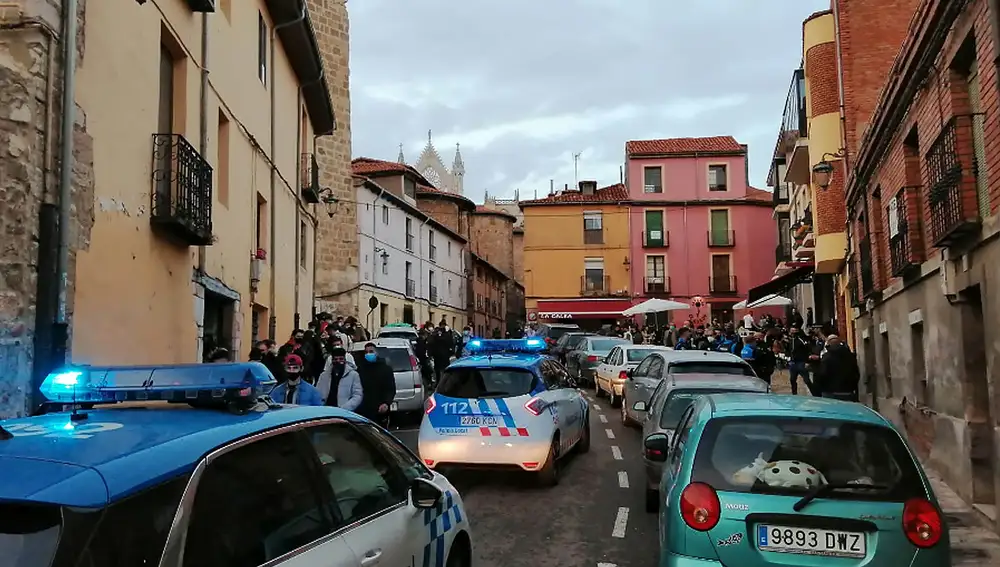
697,227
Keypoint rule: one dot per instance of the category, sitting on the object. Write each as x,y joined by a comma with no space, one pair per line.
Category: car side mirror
630,373
655,447
639,406
424,494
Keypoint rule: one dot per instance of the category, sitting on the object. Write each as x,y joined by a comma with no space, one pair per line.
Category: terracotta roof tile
754,194
610,194
683,145
483,210
363,165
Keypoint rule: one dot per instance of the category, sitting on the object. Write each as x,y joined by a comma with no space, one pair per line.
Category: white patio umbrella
773,300
655,306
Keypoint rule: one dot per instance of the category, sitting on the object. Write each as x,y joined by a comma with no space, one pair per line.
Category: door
606,368
646,384
569,410
720,273
631,390
719,234
164,127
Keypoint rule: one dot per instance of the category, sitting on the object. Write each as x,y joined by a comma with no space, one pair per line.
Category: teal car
754,480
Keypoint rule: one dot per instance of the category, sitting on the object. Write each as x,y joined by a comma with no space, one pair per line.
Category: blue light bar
177,383
491,346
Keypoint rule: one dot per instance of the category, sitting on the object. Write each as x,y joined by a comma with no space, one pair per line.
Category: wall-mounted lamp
326,197
626,263
823,171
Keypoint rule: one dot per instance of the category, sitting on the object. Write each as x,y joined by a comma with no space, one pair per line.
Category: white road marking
606,565
597,407
621,522
602,417
622,479
616,452
611,434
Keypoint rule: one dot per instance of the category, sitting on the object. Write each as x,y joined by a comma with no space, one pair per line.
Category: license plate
393,406
481,421
809,541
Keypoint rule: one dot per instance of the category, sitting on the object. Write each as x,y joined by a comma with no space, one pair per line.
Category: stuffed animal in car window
791,474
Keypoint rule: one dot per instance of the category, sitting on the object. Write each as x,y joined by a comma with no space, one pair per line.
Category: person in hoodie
339,384
839,373
295,390
378,385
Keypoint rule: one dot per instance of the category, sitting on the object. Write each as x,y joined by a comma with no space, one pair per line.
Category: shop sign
554,315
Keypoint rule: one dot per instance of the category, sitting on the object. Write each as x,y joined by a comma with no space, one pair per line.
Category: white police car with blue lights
504,405
194,465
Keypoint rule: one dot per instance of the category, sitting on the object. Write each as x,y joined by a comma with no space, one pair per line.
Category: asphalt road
594,517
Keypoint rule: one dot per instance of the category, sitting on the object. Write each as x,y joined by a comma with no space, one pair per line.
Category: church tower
458,170
432,167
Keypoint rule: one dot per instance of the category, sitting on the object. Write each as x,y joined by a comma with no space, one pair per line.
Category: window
892,211
717,177
643,368
593,227
679,400
303,243
431,248
222,160
432,285
656,274
553,373
655,370
449,288
652,179
719,233
603,345
653,235
409,272
449,249
362,479
254,504
260,223
409,188
385,214
408,464
466,382
637,354
409,234
261,49
713,368
385,264
593,271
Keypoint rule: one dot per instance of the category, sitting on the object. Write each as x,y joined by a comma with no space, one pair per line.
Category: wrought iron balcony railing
793,119
595,285
722,285
656,285
182,191
411,288
721,238
310,178
866,267
899,236
950,216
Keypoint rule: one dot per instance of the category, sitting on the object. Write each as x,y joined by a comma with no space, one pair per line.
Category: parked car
668,402
760,481
552,331
399,331
406,369
612,372
582,361
566,343
644,378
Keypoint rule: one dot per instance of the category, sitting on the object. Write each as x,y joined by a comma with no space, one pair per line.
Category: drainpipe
203,115
298,203
840,81
273,319
376,268
66,159
420,266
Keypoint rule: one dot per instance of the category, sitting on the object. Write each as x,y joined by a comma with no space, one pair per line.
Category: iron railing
310,178
899,238
866,267
649,242
433,295
656,285
793,119
722,285
721,238
411,288
944,185
591,285
182,191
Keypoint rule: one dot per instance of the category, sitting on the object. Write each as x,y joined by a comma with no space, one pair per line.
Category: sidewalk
972,542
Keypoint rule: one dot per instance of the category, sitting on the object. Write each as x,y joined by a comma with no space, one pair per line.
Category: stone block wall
492,239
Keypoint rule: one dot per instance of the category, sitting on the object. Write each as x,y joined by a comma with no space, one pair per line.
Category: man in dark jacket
442,347
838,374
378,384
799,349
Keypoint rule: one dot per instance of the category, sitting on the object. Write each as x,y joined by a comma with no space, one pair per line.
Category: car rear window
605,345
486,382
575,340
410,336
706,367
679,401
555,332
638,354
791,455
398,358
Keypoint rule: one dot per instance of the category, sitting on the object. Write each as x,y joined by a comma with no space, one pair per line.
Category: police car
194,465
505,405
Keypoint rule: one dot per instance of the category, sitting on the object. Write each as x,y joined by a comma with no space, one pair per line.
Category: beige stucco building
196,197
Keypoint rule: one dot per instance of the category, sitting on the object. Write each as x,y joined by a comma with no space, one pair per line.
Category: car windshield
555,332
408,335
707,367
604,345
791,455
679,401
486,382
638,354
398,358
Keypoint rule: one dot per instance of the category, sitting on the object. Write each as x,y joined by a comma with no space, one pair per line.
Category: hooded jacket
348,392
378,384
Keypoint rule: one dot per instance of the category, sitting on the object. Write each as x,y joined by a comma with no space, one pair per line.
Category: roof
483,210
118,451
371,167
409,208
699,356
431,192
611,194
518,360
786,405
754,194
684,146
717,381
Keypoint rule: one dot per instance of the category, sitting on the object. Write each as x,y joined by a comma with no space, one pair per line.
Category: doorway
408,314
218,325
720,274
977,401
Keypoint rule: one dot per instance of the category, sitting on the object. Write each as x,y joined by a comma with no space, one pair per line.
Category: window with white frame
652,179
656,274
893,214
593,227
717,177
593,271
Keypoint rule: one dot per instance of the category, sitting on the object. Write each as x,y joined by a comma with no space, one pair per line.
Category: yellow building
576,250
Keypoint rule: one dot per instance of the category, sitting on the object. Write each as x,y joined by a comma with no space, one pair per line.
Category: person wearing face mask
294,390
442,347
339,384
378,385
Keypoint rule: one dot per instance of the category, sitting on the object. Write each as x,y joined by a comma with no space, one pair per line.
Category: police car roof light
179,383
495,346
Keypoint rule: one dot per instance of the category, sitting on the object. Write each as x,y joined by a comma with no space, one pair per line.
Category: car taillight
700,506
623,375
429,404
536,406
592,358
921,523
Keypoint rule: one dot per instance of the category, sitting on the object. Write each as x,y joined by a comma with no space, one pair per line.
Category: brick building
923,194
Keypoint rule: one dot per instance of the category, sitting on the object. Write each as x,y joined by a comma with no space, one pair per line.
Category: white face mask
446,329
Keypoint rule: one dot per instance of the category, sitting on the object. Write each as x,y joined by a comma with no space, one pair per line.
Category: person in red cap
295,390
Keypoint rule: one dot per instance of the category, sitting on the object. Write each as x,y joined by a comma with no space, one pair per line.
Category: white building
413,265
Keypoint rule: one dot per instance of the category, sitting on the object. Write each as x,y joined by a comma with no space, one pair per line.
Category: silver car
612,373
646,377
582,361
406,369
665,408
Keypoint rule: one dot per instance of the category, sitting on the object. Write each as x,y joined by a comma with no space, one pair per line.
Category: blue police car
505,405
194,465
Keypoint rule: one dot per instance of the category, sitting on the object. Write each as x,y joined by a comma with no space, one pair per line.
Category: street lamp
331,202
823,171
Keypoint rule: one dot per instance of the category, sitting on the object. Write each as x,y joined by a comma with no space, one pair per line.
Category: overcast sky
523,85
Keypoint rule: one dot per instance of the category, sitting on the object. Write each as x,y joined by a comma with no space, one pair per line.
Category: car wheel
583,445
597,387
616,401
652,500
549,473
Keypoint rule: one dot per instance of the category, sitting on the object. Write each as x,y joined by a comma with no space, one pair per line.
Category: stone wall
492,239
337,236
519,255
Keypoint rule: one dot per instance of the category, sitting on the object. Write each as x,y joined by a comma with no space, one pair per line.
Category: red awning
555,309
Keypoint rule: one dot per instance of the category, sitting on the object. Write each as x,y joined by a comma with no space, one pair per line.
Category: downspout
376,268
840,80
298,204
420,264
68,88
272,253
203,116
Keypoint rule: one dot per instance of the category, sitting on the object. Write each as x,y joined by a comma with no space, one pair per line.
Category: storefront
589,314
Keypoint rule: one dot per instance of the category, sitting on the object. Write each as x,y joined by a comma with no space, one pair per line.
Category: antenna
576,169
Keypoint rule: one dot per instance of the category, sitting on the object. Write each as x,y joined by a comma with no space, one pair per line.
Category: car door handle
372,556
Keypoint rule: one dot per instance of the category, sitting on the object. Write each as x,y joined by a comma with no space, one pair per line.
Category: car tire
652,500
583,445
548,475
597,388
616,401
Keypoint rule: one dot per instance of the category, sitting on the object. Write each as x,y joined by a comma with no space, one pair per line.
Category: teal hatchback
756,480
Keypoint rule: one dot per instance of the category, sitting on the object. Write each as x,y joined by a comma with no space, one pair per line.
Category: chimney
588,187
746,163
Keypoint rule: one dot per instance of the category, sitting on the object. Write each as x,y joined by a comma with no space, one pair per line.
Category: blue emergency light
174,383
495,346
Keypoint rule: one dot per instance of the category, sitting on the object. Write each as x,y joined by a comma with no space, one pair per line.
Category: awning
556,309
780,284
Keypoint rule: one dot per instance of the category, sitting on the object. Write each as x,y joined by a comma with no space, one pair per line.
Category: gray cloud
525,84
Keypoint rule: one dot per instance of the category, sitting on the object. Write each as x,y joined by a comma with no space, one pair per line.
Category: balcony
866,268
953,212
783,252
656,285
433,298
655,239
411,288
899,236
310,179
793,138
722,285
721,238
595,285
182,191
